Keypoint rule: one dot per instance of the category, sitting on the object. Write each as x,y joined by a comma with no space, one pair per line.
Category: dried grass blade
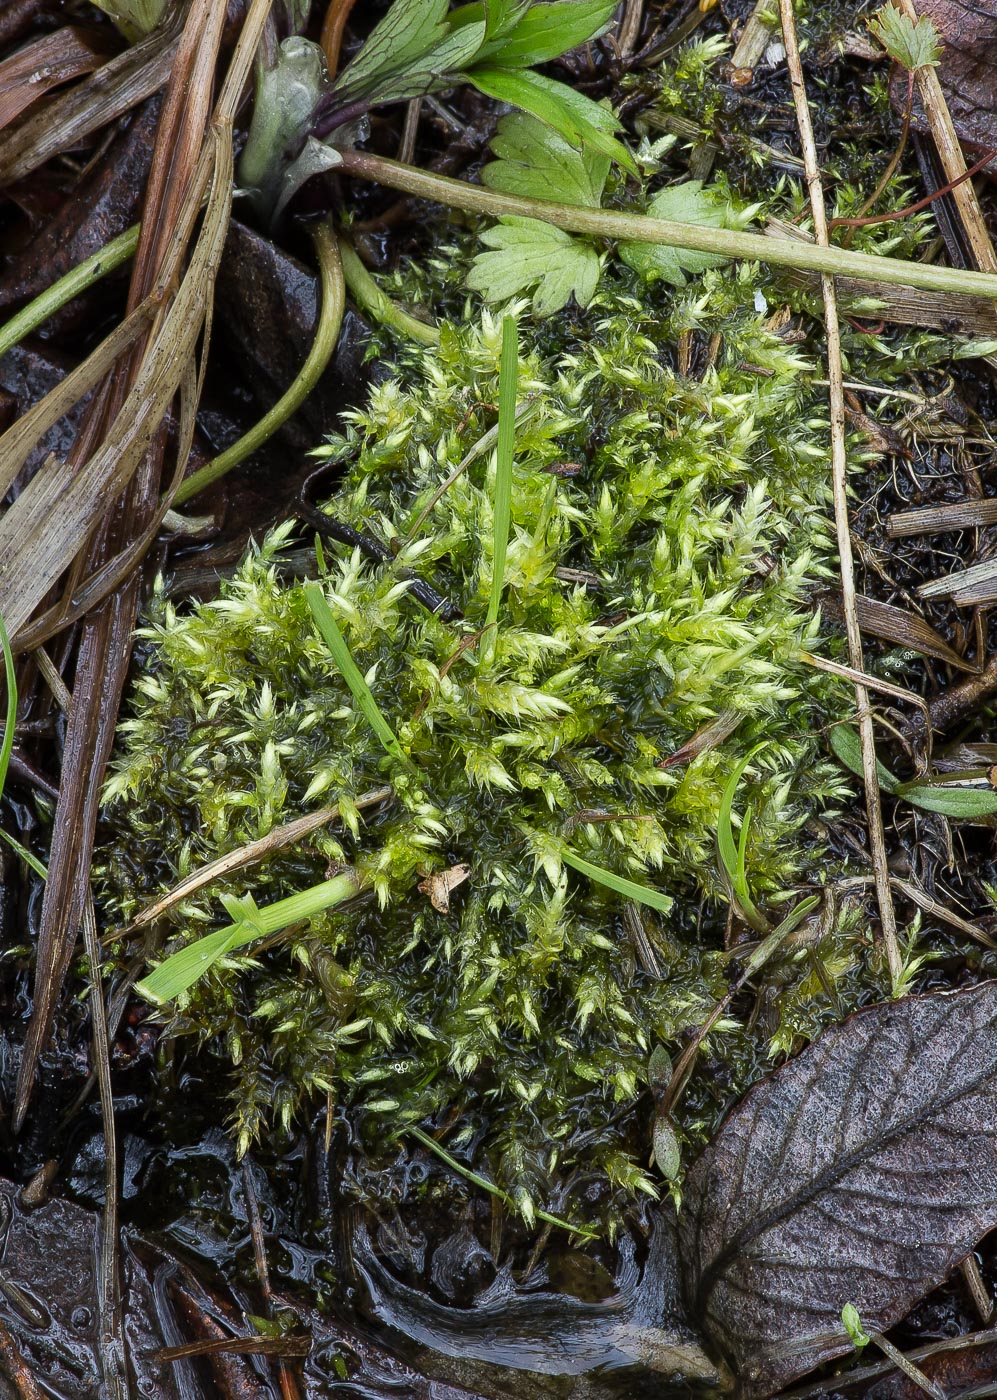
133,443
977,584
51,519
46,63
935,520
251,854
114,89
906,629
17,442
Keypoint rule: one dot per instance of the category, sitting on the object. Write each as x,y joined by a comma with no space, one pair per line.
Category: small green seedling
852,1324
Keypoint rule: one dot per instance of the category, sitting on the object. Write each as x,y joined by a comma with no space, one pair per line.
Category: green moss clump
666,530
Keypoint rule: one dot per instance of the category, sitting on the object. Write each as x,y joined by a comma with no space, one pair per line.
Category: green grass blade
655,899
182,969
359,689
732,853
489,1186
30,860
502,508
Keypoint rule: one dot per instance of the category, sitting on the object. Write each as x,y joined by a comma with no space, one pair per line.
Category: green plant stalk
502,504
183,968
359,689
369,297
77,280
599,223
323,346
476,1180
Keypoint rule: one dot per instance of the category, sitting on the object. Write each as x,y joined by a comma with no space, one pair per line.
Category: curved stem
77,280
600,223
369,297
332,32
323,346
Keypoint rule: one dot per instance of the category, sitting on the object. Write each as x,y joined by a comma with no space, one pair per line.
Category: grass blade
732,853
502,508
655,899
359,689
182,969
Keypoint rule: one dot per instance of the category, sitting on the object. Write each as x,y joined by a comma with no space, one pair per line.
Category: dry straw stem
950,154
839,467
121,450
114,89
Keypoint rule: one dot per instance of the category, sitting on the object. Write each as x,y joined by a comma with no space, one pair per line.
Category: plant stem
77,280
369,297
323,346
600,223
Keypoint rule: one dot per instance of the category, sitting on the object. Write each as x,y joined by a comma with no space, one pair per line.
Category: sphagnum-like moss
665,530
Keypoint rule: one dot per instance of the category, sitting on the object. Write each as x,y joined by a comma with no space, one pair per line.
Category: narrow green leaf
359,689
570,113
847,748
732,853
655,899
182,969
406,33
500,18
949,800
502,505
964,802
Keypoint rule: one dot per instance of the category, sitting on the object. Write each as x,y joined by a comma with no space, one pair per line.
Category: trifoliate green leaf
572,115
687,203
530,254
534,162
912,45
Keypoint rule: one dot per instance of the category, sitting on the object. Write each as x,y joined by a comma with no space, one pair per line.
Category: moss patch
666,530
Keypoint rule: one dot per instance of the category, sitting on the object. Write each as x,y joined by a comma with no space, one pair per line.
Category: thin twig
839,469
110,1320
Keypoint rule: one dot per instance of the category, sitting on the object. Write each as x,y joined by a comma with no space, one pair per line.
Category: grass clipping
499,970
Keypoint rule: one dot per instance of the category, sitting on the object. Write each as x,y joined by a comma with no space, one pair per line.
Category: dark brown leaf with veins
861,1172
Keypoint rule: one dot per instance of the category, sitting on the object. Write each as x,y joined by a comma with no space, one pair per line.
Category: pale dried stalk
52,518
839,468
950,154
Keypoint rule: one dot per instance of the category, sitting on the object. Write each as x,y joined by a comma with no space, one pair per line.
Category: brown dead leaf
967,71
439,885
